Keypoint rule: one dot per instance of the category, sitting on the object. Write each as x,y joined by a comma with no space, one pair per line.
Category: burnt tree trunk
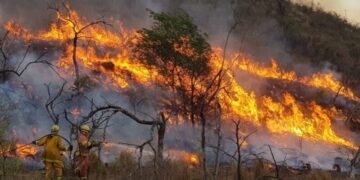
161,136
203,142
192,103
4,74
77,73
238,150
219,138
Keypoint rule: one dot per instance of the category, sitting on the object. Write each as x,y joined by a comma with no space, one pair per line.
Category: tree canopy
180,53
173,41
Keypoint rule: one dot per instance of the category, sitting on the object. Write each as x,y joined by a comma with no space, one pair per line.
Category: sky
350,9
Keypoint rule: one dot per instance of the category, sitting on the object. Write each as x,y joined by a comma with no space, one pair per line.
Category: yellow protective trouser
58,167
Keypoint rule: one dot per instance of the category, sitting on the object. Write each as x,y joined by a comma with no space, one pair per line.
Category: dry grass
125,167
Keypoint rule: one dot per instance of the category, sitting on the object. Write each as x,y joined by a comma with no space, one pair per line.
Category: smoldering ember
178,89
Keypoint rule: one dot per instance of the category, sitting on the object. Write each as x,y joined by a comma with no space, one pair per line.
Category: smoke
261,39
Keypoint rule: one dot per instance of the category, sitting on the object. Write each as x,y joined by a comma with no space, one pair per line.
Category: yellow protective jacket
52,148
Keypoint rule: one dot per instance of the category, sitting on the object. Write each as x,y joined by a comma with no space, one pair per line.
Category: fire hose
62,137
24,145
69,143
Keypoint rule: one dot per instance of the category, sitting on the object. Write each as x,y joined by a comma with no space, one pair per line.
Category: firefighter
81,158
52,156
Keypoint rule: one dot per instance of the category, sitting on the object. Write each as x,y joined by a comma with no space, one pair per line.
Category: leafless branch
276,166
123,111
50,106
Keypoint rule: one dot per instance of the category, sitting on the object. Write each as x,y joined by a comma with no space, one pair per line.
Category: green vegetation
313,34
176,48
323,37
174,42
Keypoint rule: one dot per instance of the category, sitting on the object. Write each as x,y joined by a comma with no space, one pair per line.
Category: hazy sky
346,8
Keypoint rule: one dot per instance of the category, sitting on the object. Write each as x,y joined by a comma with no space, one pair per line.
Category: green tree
179,52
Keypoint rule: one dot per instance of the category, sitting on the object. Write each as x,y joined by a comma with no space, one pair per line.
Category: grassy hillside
309,35
313,34
323,37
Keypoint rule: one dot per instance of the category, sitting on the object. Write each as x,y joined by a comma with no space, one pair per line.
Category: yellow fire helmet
85,128
55,128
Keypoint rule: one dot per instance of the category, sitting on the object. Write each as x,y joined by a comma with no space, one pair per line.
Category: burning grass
109,54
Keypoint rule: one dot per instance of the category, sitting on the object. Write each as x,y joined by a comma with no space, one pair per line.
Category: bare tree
219,138
64,15
277,175
239,141
99,117
3,54
18,68
355,161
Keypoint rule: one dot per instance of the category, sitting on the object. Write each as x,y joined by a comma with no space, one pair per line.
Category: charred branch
219,138
160,124
127,113
276,166
66,16
239,142
50,103
2,44
161,136
3,54
19,69
238,149
355,161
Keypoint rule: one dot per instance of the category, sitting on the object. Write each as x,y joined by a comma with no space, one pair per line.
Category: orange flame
17,31
23,151
76,112
192,159
108,57
323,81
107,145
307,120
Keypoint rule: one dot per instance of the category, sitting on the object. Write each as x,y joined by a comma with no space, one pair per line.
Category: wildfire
107,145
114,63
192,159
325,81
76,112
189,158
116,70
24,151
107,57
17,31
306,120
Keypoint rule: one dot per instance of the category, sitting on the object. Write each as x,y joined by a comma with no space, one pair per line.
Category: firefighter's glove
33,142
